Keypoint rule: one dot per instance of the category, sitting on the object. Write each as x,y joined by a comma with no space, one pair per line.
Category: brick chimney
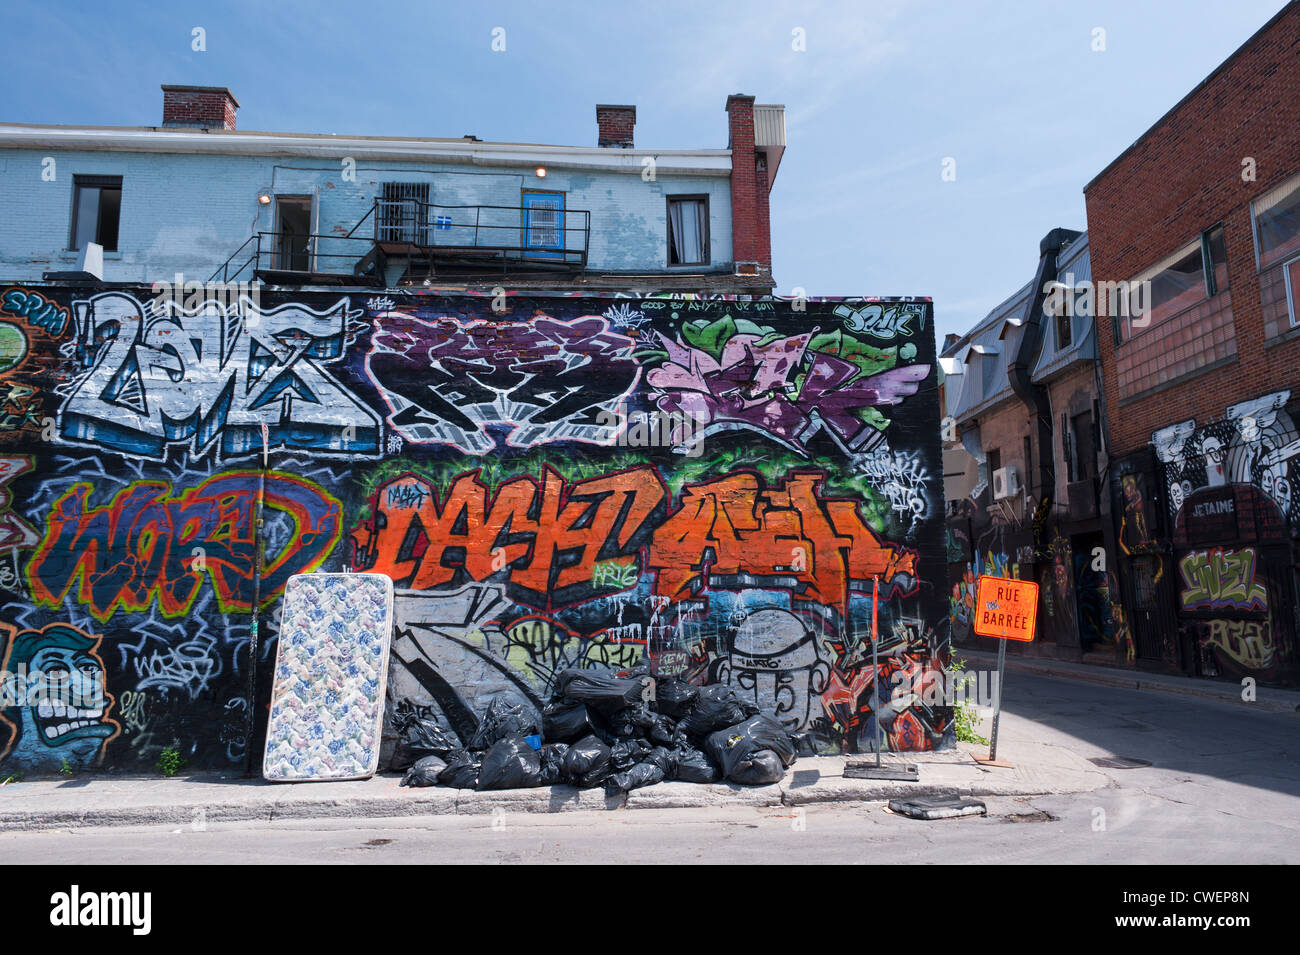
614,125
199,107
751,239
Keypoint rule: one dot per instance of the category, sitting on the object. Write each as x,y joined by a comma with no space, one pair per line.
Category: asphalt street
1223,786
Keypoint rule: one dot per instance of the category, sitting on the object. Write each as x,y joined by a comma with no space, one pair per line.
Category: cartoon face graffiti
774,657
55,700
1275,483
1177,494
1213,451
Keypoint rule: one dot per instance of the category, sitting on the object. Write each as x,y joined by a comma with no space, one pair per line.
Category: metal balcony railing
531,233
422,236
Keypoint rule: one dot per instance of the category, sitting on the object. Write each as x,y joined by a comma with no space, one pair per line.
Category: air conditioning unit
1006,483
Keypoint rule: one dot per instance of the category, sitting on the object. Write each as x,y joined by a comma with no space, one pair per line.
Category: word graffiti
1221,579
900,477
733,532
545,380
39,311
145,544
545,537
213,379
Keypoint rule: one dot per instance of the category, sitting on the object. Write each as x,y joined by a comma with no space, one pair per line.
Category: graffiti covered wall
717,488
1231,497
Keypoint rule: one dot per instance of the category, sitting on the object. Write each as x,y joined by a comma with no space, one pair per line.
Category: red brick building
1201,366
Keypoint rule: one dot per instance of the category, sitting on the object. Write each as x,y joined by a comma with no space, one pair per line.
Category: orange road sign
1006,608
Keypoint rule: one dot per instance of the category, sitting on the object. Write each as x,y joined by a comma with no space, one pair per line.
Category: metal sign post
1008,610
858,769
997,709
253,624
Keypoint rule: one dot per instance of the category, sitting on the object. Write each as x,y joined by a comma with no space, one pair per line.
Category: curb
558,799
1132,681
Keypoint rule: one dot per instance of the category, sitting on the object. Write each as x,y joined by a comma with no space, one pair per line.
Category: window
1062,301
1291,273
1063,337
1083,456
1177,282
990,362
543,223
1277,223
1067,448
1215,255
688,230
403,212
994,459
96,209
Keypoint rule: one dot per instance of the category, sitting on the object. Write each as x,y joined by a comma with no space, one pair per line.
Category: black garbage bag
663,731
418,737
424,772
716,708
564,721
586,764
674,697
664,758
634,721
762,767
693,766
503,719
642,774
510,764
552,762
462,770
603,690
626,753
753,752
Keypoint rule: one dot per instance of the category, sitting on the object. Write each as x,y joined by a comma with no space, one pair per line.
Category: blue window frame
543,224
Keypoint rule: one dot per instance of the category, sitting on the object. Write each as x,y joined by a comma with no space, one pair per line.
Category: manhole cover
1119,762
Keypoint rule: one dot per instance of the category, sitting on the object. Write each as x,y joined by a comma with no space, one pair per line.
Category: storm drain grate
1119,762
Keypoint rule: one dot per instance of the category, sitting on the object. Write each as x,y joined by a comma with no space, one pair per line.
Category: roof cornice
703,162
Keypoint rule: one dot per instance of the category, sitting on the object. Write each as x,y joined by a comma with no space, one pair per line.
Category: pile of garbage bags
621,730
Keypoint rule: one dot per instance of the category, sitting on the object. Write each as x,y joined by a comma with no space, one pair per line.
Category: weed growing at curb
170,761
965,717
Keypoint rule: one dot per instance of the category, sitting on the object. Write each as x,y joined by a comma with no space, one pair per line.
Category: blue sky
882,94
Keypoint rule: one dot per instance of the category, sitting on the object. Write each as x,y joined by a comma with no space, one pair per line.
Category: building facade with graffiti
1023,399
1203,390
1160,516
719,487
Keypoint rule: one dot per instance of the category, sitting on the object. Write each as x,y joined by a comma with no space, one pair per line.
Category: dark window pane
1216,250
110,210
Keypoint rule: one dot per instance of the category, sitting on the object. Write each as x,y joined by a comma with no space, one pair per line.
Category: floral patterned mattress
331,670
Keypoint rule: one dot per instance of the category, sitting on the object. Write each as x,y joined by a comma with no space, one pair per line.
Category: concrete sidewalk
1270,699
1041,768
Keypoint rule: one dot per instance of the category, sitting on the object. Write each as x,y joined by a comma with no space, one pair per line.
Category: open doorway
293,233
